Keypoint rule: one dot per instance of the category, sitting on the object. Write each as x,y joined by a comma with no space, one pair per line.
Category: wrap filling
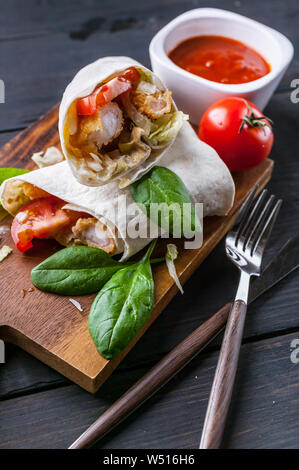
114,129
42,215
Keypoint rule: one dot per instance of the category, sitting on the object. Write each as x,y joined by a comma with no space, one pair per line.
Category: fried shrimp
92,232
100,128
154,105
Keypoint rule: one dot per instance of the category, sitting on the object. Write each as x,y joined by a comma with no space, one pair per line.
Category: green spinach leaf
122,307
77,270
175,213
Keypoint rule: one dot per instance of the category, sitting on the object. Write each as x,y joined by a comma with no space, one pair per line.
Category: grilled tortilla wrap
198,165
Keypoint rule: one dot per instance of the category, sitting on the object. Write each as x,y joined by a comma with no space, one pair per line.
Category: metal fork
244,244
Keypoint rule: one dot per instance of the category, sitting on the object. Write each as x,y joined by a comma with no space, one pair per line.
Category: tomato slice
131,74
107,92
87,105
41,218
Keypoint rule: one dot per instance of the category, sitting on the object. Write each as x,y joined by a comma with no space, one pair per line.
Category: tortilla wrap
204,174
82,85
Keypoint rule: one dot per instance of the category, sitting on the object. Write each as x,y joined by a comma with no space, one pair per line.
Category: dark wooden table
43,43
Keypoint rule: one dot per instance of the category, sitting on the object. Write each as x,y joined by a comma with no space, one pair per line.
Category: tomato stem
255,121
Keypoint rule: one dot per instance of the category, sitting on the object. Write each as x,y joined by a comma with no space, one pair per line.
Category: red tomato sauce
220,59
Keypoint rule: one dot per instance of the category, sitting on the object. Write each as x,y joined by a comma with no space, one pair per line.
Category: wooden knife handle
153,380
224,378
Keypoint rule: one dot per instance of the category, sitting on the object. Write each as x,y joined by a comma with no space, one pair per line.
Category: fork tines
255,221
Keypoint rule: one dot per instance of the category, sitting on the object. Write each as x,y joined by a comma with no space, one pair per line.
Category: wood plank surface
263,414
38,58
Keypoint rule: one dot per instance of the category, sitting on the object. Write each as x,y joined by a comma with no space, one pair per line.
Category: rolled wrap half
204,174
123,126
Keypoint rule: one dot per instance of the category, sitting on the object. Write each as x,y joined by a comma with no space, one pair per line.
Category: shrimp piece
154,105
92,232
100,128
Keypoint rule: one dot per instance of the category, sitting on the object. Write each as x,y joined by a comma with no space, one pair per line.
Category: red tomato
41,218
87,105
131,74
107,92
238,131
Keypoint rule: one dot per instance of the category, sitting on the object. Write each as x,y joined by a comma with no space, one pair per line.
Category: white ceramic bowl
194,94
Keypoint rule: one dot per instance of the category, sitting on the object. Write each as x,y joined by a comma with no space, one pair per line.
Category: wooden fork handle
224,378
158,376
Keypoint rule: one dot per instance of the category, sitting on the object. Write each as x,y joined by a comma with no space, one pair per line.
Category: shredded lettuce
145,76
171,256
166,128
138,118
135,148
50,157
76,304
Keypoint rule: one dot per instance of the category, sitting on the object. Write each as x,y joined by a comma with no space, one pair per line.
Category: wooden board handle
158,376
224,378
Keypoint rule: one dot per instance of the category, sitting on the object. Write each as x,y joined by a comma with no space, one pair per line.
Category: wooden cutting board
48,326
